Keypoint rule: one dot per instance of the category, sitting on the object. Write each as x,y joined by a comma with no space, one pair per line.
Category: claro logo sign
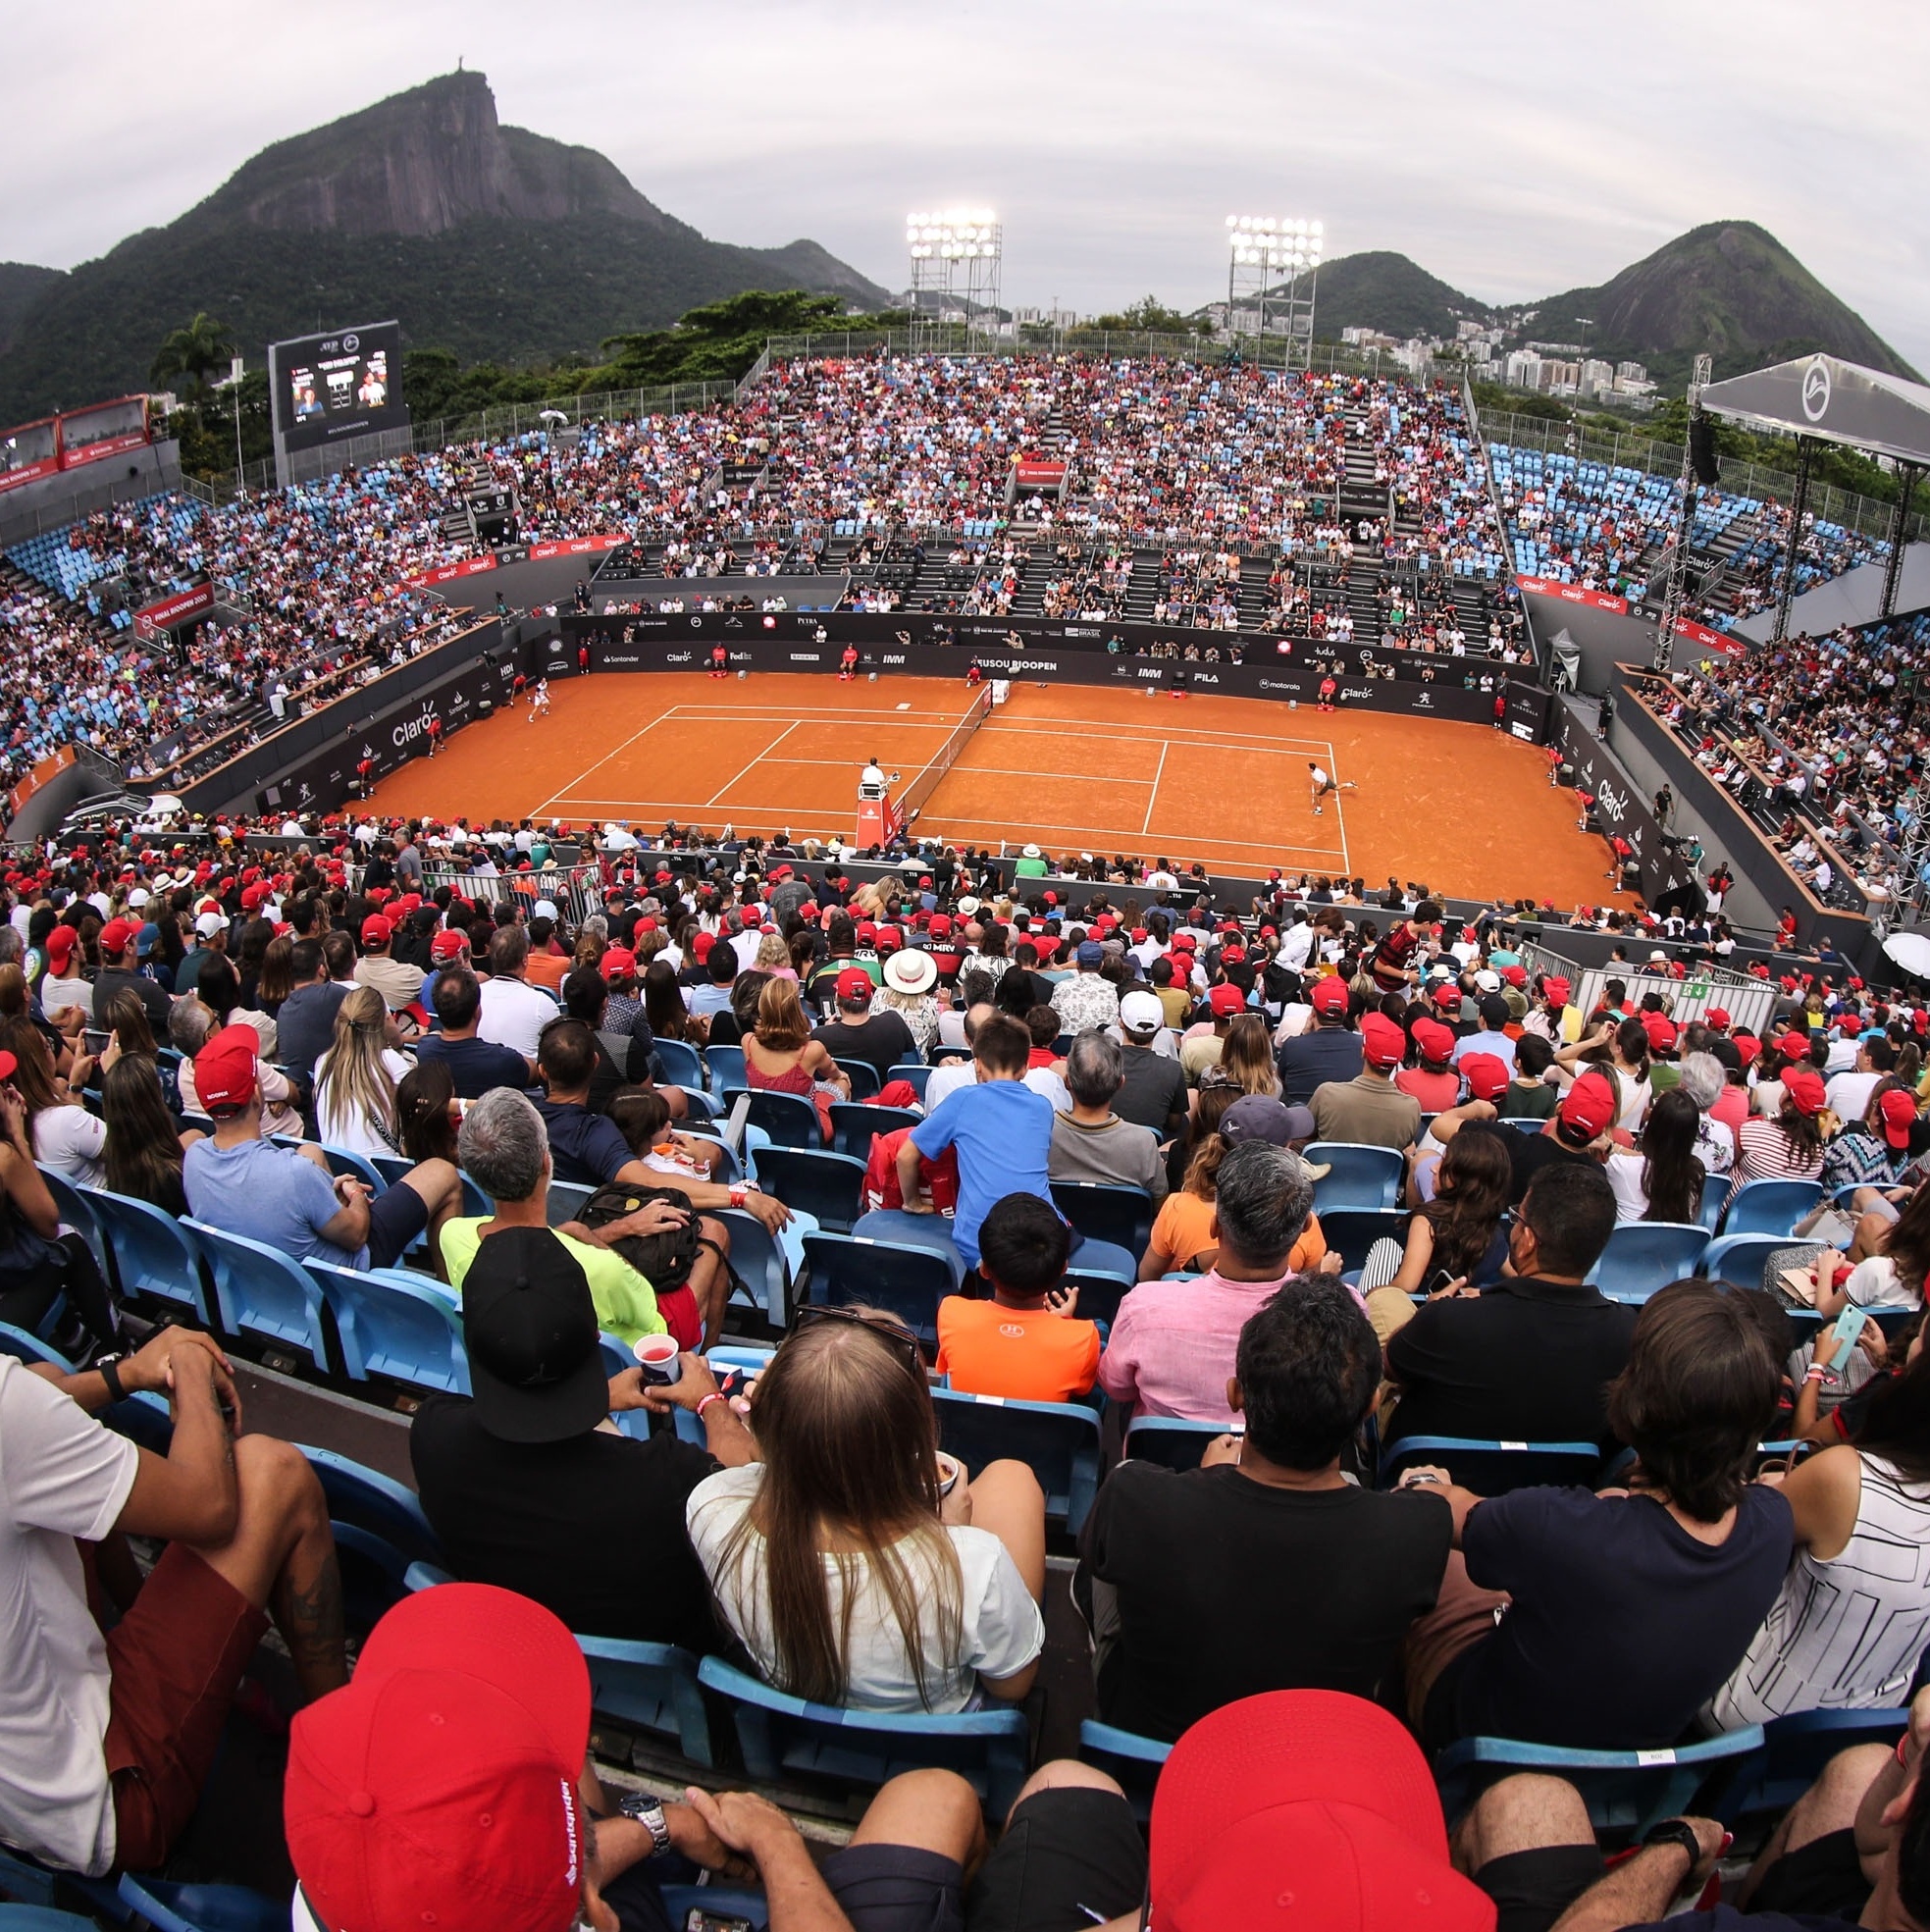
410,729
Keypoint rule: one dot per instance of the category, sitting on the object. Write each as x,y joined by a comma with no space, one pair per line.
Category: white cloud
1515,151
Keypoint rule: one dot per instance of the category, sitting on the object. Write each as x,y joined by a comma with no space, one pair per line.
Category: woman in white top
355,1079
66,1136
1626,1064
909,977
844,1565
1661,1178
1854,1613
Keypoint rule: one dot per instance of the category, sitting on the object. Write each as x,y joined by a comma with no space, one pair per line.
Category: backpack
939,1178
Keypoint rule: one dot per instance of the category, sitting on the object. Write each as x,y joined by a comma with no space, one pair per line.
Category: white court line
600,764
757,761
1023,723
1339,817
1166,745
1217,742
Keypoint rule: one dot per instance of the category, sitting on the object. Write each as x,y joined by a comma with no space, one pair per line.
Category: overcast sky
1514,148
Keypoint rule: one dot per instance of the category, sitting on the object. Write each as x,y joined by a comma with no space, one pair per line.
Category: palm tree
196,353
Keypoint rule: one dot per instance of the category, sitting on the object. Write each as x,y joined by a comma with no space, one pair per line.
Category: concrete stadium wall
69,494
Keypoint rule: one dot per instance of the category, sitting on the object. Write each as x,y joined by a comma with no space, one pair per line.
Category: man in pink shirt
1173,1342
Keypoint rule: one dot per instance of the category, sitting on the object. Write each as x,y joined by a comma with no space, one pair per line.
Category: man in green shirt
1031,863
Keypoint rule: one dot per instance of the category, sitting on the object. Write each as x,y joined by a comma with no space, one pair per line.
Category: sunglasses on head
888,1330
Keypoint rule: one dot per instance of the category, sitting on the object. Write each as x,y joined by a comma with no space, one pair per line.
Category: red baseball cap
1486,1075
1899,1112
868,930
448,944
1746,1044
224,1068
61,943
440,1784
855,983
1381,1043
1660,1029
1224,999
941,925
1804,1086
375,930
1795,1045
1557,988
1314,1789
1717,1018
1329,994
1514,975
703,943
890,939
1447,996
1590,1106
1436,1041
620,962
117,935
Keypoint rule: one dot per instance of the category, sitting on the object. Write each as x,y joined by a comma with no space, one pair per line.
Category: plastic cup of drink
656,1356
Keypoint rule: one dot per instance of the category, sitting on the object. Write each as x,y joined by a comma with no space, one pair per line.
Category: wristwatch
1676,1831
108,1367
649,1812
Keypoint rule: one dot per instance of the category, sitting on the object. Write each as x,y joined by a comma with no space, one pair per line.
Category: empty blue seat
1622,1788
1363,1175
1770,1206
1133,1761
1102,1211
789,1119
727,1074
782,1737
1794,1749
396,1324
653,1687
1171,1442
152,1256
864,1079
1492,1469
855,1123
1716,1192
1642,1256
679,1064
914,1076
1058,1440
1351,1232
828,1186
260,1291
909,1282
1739,1259
566,1201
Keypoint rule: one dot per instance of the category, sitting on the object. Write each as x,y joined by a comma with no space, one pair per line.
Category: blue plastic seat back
1770,1206
678,1062
357,1167
399,1325
1100,1294
863,1077
380,1529
72,1202
1122,1216
651,1686
170,1905
760,1257
1795,1750
261,1292
1170,1440
1494,1468
782,1737
152,1254
913,1074
828,1186
854,1124
1351,1232
1642,1256
1739,1259
1058,1441
1715,1193
727,1074
1363,1175
789,1119
567,1202
390,1167
909,1282
1135,1761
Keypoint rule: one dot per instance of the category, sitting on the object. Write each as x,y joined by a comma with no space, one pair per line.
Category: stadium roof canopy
1818,396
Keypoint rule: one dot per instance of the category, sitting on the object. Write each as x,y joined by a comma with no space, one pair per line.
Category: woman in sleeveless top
1854,1614
781,1057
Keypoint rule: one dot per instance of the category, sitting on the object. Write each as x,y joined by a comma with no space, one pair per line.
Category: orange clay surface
1075,767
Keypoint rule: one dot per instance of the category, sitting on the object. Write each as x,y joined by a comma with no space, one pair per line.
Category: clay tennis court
1077,768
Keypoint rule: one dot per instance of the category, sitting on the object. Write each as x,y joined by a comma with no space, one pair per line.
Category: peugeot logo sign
1816,390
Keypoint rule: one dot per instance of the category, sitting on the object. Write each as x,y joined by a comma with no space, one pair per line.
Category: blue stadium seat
651,1686
1715,1193
566,1201
397,1324
679,1064
1794,1749
727,1074
1100,1212
863,1077
1622,1788
909,1282
170,1905
1770,1206
357,1167
261,1292
1132,1760
782,1737
43,1919
1170,1440
855,1123
1100,1293
828,1186
913,1074
767,1263
1739,1259
152,1256
1351,1232
71,1201
1492,1469
1362,1177
1058,1440
789,1119
379,1531
392,1167
1642,1256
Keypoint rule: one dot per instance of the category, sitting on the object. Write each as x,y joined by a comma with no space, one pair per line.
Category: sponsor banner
111,445
575,546
28,473
52,764
1037,473
1574,594
470,566
1708,640
181,608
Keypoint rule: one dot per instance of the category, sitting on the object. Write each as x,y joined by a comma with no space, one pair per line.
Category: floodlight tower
1273,271
956,256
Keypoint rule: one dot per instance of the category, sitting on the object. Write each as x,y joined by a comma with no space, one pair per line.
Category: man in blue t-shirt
588,1148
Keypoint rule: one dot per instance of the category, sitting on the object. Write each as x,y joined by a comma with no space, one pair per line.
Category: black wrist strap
110,1372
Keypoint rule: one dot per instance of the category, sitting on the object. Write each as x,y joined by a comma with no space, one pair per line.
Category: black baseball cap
535,1363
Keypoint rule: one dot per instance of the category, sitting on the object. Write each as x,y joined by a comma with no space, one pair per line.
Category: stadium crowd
1343,1585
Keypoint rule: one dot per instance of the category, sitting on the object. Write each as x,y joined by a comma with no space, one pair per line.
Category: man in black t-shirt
526,1492
1575,1135
879,1039
1264,1569
119,972
1155,1094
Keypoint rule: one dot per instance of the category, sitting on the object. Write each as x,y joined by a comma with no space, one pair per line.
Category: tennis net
912,801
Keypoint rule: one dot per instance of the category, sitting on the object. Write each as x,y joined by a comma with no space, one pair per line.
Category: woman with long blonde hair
355,1079
1247,1057
781,1057
856,1566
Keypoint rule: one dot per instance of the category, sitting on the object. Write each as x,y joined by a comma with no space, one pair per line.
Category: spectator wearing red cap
1548,1008
119,972
112,1736
1329,1053
398,983
63,987
1433,1080
1370,1109
240,1182
1787,1146
880,1039
1206,1045
1874,1152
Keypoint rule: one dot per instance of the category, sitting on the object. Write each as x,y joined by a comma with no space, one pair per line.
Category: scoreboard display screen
344,383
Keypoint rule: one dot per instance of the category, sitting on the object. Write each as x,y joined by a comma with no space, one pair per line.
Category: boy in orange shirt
1025,1344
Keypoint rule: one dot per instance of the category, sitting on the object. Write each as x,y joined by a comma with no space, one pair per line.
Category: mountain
1728,288
1387,291
20,283
492,241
